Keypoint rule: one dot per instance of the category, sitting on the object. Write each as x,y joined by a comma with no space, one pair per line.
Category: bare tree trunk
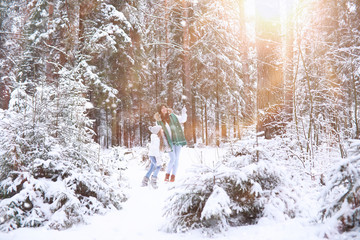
119,132
126,134
206,124
157,92
249,108
170,84
193,117
48,64
223,127
107,136
114,123
295,117
202,123
140,123
289,64
311,113
236,134
166,31
356,104
270,74
217,116
72,38
5,96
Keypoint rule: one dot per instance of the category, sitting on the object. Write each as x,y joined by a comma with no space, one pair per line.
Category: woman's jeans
174,160
153,168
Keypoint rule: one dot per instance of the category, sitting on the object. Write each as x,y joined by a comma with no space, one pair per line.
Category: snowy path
141,216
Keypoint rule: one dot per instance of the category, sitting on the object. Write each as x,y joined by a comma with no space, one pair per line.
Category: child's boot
153,182
167,176
145,181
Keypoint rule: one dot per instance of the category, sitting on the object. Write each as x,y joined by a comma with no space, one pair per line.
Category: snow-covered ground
141,216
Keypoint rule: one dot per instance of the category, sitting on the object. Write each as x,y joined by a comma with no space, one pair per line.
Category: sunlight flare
268,10
271,10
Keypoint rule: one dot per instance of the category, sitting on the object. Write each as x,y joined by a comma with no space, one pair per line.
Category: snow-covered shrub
271,121
51,173
342,193
282,200
238,191
214,199
55,193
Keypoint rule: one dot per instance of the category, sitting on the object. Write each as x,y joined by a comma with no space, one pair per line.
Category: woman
171,125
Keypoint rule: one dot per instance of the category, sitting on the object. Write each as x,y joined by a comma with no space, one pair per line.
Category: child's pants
153,168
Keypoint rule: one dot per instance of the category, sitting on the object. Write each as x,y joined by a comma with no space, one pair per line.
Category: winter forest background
77,77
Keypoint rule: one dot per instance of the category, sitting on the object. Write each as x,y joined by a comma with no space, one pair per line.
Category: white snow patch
217,204
142,215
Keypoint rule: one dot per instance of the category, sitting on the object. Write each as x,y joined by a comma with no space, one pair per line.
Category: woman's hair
161,136
165,117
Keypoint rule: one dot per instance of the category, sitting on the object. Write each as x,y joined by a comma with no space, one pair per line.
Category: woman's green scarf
177,134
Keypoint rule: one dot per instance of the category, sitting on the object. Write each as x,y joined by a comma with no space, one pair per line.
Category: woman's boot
167,177
172,179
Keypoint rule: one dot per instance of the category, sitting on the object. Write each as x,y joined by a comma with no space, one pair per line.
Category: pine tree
105,64
240,191
10,23
50,170
49,159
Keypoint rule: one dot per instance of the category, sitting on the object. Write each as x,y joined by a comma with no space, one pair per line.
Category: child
155,149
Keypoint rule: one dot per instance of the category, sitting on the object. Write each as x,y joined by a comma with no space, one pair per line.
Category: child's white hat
155,129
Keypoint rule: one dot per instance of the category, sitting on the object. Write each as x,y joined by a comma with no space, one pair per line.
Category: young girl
155,149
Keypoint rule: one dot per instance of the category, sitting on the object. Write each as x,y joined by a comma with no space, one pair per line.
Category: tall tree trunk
169,82
72,38
217,116
236,127
48,64
4,95
248,108
206,124
140,123
289,62
107,120
309,147
193,118
202,123
157,92
223,127
119,128
268,46
356,104
166,31
186,74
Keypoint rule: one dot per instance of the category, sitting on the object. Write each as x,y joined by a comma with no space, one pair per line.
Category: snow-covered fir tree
51,171
239,191
341,205
51,174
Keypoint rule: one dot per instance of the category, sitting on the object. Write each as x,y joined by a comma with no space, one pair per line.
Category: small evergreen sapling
239,191
214,199
342,193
